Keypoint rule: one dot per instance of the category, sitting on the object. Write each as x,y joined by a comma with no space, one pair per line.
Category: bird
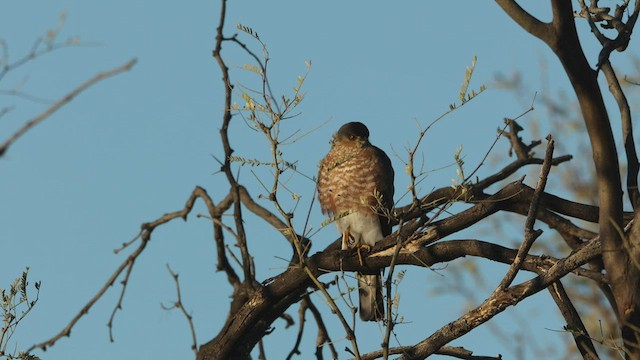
355,188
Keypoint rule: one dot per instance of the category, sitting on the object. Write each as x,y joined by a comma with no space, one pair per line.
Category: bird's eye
352,137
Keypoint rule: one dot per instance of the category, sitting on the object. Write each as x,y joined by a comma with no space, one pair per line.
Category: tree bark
562,37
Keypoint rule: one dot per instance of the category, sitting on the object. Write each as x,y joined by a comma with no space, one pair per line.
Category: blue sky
133,148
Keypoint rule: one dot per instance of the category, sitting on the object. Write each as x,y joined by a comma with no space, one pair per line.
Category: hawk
355,187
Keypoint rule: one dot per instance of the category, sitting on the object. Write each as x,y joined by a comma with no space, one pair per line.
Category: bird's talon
347,240
360,247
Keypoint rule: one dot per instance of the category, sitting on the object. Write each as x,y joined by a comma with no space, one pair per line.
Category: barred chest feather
347,180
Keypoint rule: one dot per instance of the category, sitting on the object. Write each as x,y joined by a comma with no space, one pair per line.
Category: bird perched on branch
355,187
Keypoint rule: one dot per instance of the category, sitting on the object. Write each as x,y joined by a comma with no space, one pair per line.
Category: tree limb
528,22
144,236
530,235
63,101
499,301
574,323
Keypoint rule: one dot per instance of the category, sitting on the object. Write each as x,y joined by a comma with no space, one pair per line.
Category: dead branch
454,352
302,311
499,301
530,235
322,338
126,264
574,322
144,236
63,101
608,45
178,304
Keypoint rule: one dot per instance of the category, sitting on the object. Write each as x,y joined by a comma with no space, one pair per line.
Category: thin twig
63,101
323,334
351,336
144,236
178,304
390,299
500,300
530,234
500,133
26,96
37,50
118,306
85,309
304,305
247,260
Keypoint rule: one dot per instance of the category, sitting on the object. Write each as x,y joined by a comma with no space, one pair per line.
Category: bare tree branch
633,166
499,301
524,19
423,237
618,94
574,322
390,321
144,236
178,304
247,261
454,352
565,43
530,235
126,264
63,101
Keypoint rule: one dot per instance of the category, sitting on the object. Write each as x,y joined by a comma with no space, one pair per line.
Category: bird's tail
370,293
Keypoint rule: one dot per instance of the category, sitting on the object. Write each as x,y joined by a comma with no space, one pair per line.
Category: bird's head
353,133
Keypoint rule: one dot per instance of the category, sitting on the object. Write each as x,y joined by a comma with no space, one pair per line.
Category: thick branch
272,219
515,197
499,301
566,45
528,22
249,323
453,352
474,193
633,167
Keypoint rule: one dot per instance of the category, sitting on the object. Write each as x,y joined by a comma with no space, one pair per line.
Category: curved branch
247,262
238,337
515,197
63,101
273,220
144,236
454,352
566,45
473,193
499,301
527,21
515,166
323,334
633,167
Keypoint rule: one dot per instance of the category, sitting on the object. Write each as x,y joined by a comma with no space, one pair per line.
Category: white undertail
365,229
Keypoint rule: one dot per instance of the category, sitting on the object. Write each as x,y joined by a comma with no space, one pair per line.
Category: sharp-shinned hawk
355,187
